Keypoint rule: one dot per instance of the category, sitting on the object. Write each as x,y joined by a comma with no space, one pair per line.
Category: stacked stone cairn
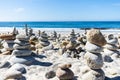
21,46
54,36
73,35
8,42
111,46
95,41
44,39
71,47
21,53
64,73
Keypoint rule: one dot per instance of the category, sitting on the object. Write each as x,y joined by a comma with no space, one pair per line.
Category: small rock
95,36
94,61
50,74
94,75
64,74
12,74
107,58
93,48
18,67
17,46
21,52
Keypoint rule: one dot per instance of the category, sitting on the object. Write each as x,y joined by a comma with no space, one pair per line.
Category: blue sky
59,10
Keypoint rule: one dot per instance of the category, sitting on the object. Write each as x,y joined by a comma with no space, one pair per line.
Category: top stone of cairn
95,36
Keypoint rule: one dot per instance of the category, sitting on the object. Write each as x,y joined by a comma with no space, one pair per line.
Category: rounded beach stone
44,43
64,74
17,46
44,39
97,74
64,66
50,74
24,52
22,37
18,67
95,36
94,61
112,41
93,48
12,74
21,42
107,58
111,46
22,60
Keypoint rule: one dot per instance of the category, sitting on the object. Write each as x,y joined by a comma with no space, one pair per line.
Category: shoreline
59,30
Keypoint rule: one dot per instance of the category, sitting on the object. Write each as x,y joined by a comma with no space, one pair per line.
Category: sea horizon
62,24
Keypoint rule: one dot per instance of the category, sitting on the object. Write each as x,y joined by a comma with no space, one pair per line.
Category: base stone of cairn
95,41
21,53
64,73
7,43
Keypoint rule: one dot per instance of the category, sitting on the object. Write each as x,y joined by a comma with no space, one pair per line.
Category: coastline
59,30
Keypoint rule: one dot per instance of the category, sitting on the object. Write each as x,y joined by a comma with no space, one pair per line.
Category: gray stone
22,37
49,47
50,74
5,64
44,43
94,75
12,74
18,67
64,74
21,42
22,60
107,58
94,61
24,52
17,46
93,48
112,41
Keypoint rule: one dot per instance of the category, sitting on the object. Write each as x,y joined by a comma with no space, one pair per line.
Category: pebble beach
59,54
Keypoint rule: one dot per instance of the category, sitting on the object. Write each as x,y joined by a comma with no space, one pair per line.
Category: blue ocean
64,24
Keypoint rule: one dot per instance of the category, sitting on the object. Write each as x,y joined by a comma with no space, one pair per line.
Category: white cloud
116,4
18,10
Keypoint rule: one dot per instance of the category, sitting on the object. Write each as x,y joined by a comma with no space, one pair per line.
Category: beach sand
49,60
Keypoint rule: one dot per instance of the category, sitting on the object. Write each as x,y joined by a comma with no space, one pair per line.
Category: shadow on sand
114,78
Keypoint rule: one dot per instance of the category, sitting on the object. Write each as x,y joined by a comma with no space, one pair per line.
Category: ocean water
64,24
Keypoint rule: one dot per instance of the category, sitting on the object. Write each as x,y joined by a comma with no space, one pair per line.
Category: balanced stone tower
95,41
21,46
54,35
72,35
44,39
21,53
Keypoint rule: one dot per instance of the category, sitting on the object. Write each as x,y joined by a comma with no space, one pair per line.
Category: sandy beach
42,60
